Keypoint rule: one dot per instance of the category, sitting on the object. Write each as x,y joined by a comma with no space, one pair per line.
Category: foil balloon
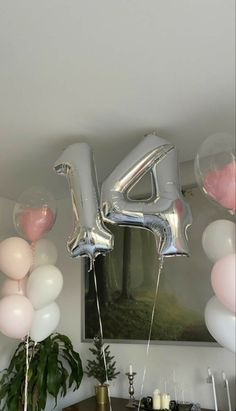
165,213
90,237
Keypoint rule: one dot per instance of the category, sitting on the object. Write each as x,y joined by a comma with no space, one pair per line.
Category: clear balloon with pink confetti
215,170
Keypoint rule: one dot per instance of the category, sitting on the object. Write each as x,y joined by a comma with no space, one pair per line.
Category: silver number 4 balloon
165,213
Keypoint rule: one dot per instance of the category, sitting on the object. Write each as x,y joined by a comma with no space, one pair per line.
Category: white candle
227,390
165,401
213,388
214,392
156,400
130,369
174,382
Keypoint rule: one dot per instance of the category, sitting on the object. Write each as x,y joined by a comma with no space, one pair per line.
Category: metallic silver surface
90,236
166,214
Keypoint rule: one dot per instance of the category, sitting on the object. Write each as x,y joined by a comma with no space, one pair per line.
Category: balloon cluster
33,282
215,170
165,213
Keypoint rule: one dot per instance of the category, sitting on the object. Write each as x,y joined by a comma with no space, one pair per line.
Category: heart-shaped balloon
220,184
34,222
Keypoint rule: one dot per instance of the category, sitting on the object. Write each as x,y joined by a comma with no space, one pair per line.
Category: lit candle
165,401
130,370
156,400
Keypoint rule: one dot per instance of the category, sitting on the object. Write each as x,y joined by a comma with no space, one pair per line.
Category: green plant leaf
48,373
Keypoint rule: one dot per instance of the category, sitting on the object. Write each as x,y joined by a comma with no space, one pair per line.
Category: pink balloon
12,287
16,257
34,222
16,316
221,185
223,281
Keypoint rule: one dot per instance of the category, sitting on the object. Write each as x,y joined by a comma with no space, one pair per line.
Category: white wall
6,230
190,363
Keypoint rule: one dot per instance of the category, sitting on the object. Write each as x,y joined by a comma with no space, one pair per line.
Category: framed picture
126,282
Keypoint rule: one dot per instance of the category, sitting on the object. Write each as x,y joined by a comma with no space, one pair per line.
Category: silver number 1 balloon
90,236
165,213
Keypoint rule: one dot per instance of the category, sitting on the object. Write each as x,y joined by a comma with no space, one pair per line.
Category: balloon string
26,372
27,364
161,259
32,245
101,332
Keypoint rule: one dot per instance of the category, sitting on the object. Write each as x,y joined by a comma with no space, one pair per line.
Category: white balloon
218,239
44,285
45,252
45,322
221,323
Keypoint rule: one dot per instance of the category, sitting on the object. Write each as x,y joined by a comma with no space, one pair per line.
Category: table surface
118,404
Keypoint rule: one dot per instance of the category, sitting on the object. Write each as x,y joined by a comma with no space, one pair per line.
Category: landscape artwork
126,283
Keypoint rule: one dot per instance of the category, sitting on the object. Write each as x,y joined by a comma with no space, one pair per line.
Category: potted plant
54,367
102,368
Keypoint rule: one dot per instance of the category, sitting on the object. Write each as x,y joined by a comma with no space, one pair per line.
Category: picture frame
126,282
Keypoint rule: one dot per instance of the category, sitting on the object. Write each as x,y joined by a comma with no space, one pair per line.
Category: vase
101,394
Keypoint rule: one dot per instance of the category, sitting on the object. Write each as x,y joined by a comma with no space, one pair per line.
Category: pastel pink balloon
34,222
223,281
16,316
221,185
16,257
12,287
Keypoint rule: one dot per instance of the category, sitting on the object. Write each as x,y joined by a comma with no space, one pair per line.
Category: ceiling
107,72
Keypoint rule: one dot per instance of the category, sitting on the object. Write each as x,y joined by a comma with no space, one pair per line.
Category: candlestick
130,376
227,390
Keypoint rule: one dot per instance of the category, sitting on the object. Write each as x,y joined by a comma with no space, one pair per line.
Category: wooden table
118,404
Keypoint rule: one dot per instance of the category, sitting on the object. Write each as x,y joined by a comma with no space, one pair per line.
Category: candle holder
130,376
